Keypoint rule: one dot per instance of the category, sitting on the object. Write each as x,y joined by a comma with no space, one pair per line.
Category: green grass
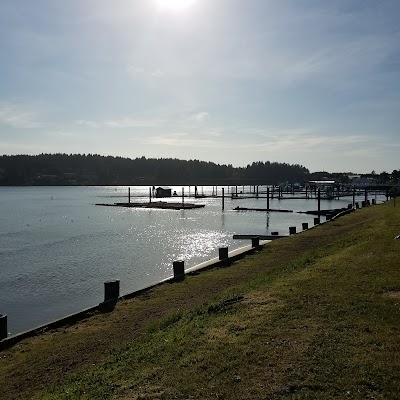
313,316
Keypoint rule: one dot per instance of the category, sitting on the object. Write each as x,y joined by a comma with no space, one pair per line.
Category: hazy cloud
18,117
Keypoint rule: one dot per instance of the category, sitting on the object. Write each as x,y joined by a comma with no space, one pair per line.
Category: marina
58,248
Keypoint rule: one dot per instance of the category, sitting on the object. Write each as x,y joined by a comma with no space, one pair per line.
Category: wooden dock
163,205
261,209
261,237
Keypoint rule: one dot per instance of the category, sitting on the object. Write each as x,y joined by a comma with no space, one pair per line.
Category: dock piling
3,326
111,290
255,241
179,268
223,253
319,202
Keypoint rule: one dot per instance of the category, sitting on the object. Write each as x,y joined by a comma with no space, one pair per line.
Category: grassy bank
316,315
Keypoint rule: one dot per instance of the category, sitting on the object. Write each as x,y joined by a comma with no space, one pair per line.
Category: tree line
94,169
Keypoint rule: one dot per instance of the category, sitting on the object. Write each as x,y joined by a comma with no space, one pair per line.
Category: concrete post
255,241
3,326
111,290
292,230
316,221
223,253
304,225
179,268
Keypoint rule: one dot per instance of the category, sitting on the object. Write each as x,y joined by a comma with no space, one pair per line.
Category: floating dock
156,204
261,209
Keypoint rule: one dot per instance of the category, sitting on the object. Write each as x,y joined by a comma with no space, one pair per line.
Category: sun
175,5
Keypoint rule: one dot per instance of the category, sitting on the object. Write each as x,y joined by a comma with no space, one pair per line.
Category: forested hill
64,169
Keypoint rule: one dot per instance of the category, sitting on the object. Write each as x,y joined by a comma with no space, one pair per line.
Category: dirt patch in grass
394,294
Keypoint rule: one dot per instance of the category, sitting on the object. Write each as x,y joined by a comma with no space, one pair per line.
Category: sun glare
175,5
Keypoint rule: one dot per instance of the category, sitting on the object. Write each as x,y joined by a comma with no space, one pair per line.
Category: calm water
57,248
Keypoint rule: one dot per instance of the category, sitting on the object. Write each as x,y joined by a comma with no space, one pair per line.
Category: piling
257,191
111,290
319,202
223,199
149,195
183,197
316,221
223,253
179,268
304,225
255,241
292,230
3,326
366,197
129,195
268,198
354,196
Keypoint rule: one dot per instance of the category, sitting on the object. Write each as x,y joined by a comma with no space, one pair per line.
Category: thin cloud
202,116
181,140
18,117
121,123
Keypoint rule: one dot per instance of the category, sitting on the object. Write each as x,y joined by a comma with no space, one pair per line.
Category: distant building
163,192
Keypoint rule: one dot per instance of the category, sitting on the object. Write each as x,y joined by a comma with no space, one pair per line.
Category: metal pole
223,199
129,195
150,194
268,198
183,197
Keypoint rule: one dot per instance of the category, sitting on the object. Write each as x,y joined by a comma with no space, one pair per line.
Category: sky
309,82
